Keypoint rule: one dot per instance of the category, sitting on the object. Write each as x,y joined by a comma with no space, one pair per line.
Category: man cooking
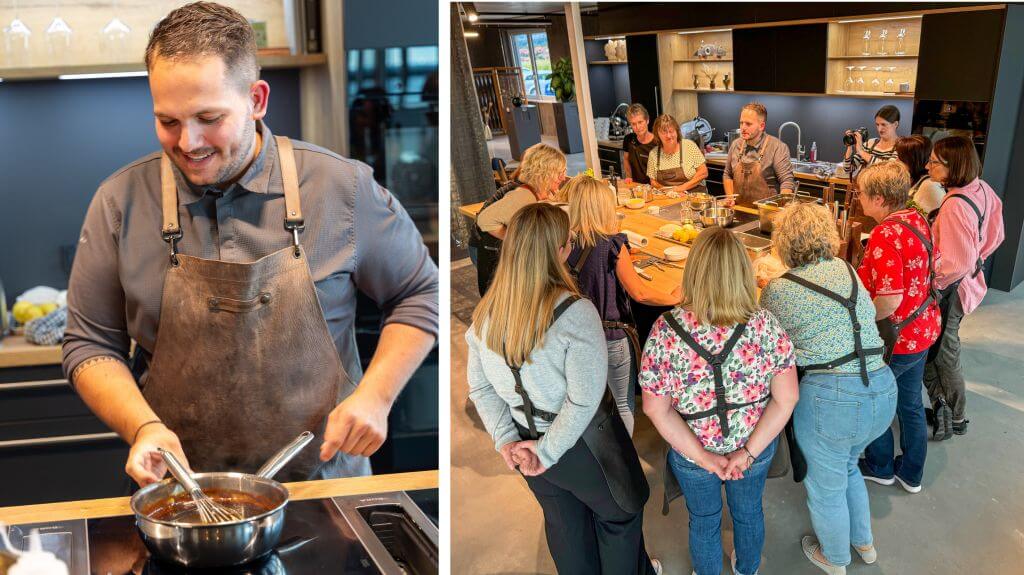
232,260
758,164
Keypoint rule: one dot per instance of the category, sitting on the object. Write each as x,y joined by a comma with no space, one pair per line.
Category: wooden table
645,224
301,490
16,352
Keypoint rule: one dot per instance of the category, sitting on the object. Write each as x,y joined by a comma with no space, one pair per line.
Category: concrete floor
968,519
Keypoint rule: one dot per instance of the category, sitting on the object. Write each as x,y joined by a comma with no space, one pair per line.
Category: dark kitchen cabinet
753,60
781,58
954,64
52,448
644,76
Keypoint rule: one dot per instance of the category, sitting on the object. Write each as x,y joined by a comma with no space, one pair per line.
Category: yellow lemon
48,308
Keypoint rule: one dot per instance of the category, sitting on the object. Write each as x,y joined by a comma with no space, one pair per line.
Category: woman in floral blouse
719,384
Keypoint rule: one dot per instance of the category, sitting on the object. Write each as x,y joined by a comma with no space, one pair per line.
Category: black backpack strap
716,361
981,222
584,254
528,408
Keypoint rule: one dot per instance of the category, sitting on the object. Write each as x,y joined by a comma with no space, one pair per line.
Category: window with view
534,59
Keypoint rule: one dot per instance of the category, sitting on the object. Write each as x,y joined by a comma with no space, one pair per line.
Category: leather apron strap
850,304
716,361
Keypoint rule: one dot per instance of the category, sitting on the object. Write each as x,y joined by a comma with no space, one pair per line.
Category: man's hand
145,465
525,455
357,426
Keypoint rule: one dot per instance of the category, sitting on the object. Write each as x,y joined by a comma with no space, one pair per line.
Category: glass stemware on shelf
876,83
848,84
890,84
867,43
115,37
900,36
16,41
882,36
860,78
58,38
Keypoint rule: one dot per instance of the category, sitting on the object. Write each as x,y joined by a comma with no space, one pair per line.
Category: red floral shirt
896,263
670,367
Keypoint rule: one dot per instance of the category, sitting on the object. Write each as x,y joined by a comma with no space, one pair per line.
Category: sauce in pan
181,509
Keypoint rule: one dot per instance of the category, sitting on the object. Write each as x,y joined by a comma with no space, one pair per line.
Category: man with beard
232,260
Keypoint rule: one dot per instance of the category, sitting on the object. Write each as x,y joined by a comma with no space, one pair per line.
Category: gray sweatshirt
565,376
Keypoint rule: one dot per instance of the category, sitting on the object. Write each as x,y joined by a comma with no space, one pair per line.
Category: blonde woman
719,385
540,174
676,161
537,366
847,393
604,271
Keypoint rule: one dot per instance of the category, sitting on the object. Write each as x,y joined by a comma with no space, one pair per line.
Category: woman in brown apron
676,162
536,370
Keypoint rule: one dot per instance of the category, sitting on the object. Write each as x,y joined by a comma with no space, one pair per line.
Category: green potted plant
567,119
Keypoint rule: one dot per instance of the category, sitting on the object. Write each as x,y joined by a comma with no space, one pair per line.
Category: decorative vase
696,82
609,50
725,81
712,83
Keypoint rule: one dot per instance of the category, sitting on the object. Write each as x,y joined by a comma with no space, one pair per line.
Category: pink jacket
956,240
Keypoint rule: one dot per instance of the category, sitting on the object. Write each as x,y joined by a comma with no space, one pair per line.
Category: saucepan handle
178,471
281,458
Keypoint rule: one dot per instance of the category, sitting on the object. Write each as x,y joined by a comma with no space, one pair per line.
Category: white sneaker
810,545
658,569
908,487
734,571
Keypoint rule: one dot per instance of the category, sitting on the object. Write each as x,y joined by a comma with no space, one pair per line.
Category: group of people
832,351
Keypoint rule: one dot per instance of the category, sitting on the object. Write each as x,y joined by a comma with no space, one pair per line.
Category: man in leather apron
233,263
758,164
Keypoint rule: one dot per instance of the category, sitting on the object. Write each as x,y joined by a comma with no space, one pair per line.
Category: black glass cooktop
315,539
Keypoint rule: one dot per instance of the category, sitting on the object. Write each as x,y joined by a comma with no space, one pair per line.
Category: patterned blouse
854,164
688,157
896,263
669,367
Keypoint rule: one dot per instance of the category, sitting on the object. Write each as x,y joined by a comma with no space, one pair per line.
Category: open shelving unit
855,62
686,64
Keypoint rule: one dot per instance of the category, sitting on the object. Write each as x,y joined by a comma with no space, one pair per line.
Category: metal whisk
209,510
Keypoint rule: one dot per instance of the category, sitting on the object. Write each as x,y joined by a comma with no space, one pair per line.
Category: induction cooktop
385,534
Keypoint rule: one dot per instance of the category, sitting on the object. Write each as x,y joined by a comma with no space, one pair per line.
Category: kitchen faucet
799,145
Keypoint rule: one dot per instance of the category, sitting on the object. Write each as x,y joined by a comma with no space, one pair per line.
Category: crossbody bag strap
583,259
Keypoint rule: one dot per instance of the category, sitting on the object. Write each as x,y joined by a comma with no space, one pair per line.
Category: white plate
676,253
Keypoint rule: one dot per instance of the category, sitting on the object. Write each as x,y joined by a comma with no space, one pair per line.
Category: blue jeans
620,379
836,418
703,493
909,372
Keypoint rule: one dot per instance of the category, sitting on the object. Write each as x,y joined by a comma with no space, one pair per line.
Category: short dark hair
889,113
637,109
207,29
666,120
957,153
913,151
759,109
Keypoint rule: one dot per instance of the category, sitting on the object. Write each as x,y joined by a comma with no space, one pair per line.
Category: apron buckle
295,227
171,235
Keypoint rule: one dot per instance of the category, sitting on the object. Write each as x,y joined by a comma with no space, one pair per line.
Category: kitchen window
532,55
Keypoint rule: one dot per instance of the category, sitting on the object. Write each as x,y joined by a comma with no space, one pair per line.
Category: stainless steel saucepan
172,530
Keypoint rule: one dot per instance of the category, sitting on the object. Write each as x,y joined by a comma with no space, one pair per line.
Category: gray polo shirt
775,163
357,237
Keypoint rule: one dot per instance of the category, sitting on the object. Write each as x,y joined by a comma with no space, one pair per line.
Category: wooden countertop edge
16,352
93,508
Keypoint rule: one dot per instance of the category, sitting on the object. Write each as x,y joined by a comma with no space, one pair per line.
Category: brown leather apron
749,182
244,361
675,176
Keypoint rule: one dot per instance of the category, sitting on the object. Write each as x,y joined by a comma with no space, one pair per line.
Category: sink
820,169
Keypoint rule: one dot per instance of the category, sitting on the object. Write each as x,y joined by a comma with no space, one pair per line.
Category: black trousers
486,263
586,530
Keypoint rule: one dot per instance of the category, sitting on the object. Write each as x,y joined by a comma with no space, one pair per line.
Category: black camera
849,140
